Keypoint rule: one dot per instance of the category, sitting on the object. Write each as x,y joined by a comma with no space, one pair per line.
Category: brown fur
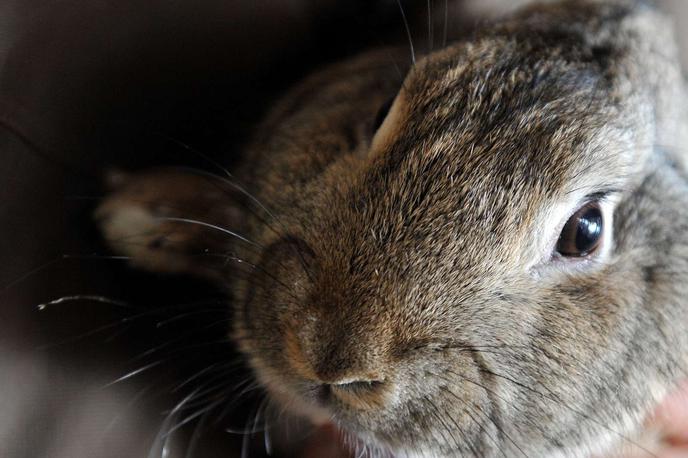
410,263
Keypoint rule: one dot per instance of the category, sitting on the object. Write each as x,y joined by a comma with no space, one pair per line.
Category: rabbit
480,253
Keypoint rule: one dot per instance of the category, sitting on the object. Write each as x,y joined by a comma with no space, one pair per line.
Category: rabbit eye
582,233
382,114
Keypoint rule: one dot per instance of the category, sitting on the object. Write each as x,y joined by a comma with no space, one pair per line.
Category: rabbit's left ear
171,221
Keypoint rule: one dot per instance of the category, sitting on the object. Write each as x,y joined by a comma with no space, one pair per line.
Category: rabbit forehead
522,109
494,182
491,134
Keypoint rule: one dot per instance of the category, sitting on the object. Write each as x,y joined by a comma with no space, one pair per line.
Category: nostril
358,394
323,393
357,386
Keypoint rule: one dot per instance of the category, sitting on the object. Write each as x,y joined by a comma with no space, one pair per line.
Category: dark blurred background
89,85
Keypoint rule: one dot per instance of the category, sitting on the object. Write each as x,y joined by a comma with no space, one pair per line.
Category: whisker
261,407
435,413
53,261
195,436
487,417
96,256
430,28
117,334
249,385
196,151
126,407
161,440
226,256
76,197
29,273
266,432
84,297
408,32
43,153
231,181
194,416
211,226
553,398
245,443
134,373
181,316
119,323
286,287
204,371
497,395
180,350
445,26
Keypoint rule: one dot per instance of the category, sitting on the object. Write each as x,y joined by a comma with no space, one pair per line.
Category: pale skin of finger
674,453
666,430
672,417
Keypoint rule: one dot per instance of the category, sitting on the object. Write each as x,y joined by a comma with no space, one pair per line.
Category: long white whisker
188,147
408,32
211,226
430,31
195,436
134,373
84,297
446,23
29,273
162,441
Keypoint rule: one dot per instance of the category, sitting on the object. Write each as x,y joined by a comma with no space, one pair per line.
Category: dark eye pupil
382,114
582,233
589,230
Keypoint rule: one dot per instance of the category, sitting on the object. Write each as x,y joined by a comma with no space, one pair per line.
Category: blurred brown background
85,85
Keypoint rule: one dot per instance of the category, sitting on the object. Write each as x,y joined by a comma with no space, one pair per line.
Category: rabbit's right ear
173,221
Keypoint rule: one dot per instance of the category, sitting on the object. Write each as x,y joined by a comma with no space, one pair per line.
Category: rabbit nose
351,375
348,367
340,360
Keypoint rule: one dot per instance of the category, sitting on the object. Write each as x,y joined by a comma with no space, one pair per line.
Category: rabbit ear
169,221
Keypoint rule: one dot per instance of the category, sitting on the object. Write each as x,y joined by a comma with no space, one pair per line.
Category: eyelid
599,196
